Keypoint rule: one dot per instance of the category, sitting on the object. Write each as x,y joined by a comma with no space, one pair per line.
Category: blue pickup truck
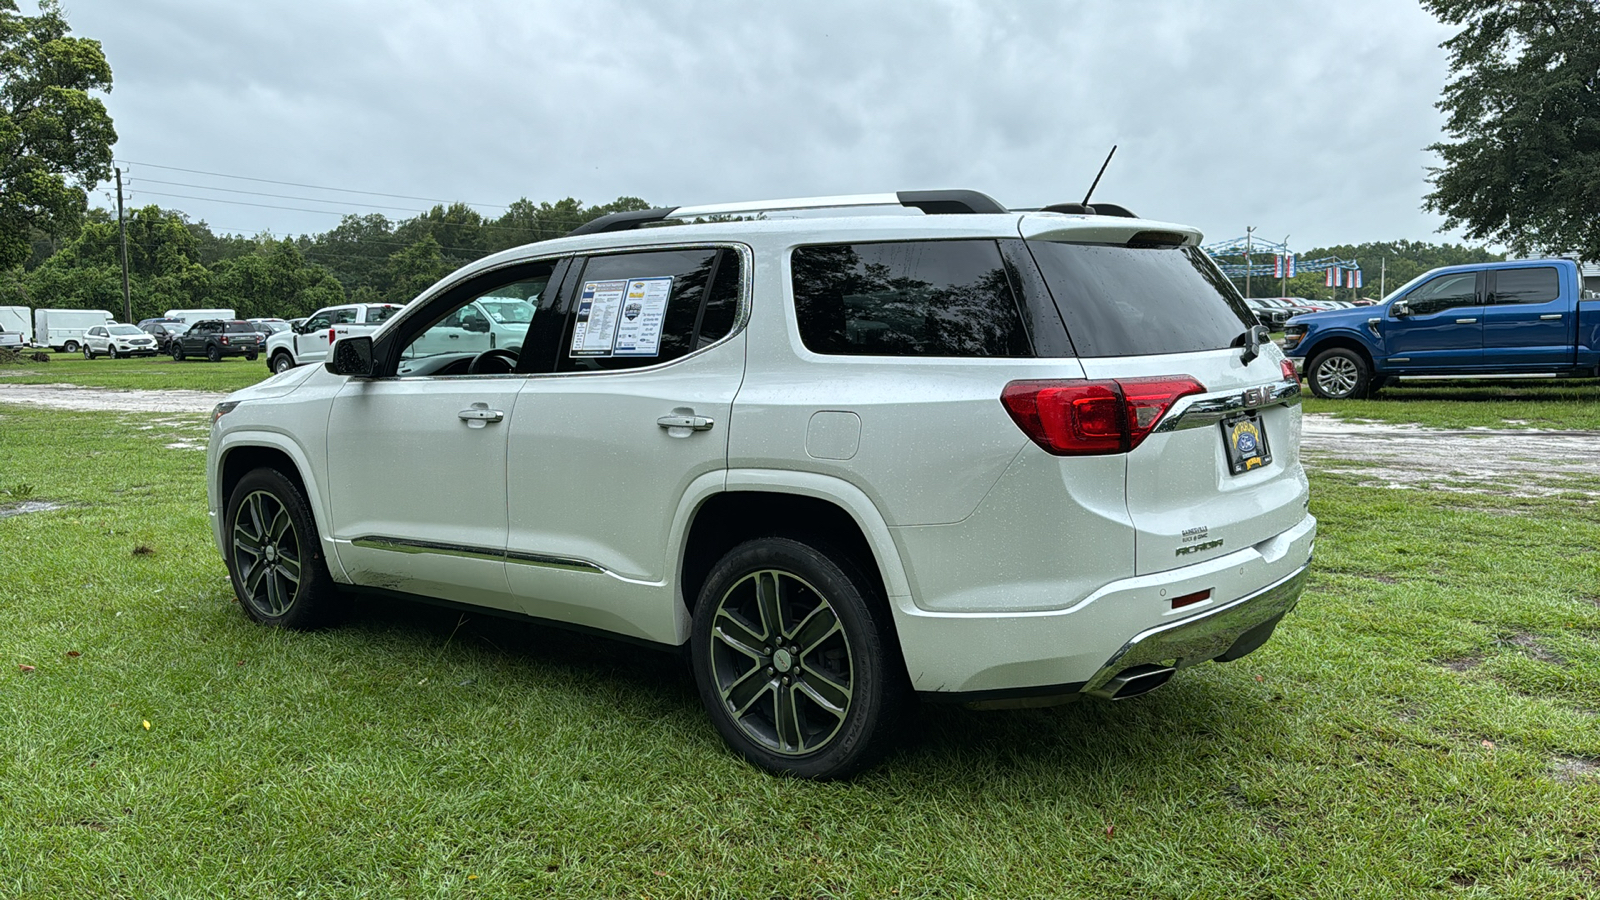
1523,317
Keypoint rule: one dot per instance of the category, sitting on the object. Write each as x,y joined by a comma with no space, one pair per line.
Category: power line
207,187
326,212
315,187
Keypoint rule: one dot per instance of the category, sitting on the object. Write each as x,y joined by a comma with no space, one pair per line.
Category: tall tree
55,139
1523,166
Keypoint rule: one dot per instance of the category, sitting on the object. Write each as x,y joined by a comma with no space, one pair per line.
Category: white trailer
18,319
62,329
191,316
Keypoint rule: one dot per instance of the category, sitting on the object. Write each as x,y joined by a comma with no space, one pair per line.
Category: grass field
1426,723
143,373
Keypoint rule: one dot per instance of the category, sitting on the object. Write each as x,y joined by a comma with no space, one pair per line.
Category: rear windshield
238,327
1124,301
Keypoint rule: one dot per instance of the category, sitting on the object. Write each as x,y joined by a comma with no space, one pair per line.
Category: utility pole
1249,231
1283,281
1383,269
122,235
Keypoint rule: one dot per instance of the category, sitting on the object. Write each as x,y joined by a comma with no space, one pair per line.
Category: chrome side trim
1205,636
1203,410
467,551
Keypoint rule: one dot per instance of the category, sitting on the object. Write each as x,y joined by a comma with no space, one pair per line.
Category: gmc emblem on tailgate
1256,396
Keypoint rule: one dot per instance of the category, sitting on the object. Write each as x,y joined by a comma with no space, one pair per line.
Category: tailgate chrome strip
1203,410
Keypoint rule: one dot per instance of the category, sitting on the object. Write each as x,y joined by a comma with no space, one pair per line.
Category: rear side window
378,314
1537,285
1127,301
909,298
640,309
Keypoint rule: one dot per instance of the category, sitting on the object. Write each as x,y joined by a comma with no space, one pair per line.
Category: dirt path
1525,463
69,396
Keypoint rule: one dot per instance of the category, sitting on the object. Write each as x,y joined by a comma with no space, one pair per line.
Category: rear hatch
1215,465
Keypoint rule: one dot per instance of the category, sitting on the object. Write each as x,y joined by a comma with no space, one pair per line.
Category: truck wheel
282,362
799,672
1339,374
213,353
274,555
71,347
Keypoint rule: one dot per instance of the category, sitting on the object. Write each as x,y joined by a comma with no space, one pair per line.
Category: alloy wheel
266,554
781,663
1337,376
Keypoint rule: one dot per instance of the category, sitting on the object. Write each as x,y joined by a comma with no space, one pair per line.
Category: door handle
479,415
1551,316
1465,321
683,421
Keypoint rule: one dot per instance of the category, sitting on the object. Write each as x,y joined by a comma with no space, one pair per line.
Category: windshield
508,310
123,329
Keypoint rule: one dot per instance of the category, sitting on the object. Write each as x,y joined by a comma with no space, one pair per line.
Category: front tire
113,352
798,670
1339,374
274,555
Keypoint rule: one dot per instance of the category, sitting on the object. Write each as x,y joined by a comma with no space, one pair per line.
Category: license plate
1245,438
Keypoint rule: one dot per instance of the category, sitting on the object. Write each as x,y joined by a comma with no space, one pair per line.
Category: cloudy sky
1306,119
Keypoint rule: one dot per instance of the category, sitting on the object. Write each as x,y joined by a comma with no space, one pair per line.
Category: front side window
1535,285
1442,293
1119,300
480,330
643,308
907,298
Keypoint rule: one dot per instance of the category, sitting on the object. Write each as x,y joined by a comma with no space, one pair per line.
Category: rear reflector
1080,417
1191,599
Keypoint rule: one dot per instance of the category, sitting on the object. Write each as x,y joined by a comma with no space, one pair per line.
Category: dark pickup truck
1529,317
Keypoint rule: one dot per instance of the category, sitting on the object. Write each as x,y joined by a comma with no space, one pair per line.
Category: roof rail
930,202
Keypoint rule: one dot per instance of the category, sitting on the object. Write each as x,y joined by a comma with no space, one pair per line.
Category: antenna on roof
1102,172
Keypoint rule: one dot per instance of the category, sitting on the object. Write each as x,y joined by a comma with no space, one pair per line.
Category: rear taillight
1290,373
224,340
1089,418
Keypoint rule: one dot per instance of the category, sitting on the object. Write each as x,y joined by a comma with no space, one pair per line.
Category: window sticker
599,308
644,308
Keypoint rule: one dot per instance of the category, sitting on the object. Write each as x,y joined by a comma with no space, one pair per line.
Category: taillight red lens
1085,418
1290,373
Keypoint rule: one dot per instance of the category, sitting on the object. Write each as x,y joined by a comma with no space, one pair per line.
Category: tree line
174,263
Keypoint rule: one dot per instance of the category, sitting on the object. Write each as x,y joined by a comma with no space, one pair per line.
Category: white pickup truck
309,341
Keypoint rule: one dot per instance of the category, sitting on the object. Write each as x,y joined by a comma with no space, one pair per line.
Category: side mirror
351,356
1399,309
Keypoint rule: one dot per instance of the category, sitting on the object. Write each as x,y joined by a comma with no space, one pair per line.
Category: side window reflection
483,335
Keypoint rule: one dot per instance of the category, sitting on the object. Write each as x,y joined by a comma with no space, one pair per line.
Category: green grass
143,373
1557,404
418,752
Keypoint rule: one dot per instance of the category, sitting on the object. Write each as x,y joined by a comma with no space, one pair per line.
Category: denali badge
1196,548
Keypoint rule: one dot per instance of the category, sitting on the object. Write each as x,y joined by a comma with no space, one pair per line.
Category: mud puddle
29,506
1521,463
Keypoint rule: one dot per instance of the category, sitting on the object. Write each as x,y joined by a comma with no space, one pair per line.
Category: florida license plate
1245,438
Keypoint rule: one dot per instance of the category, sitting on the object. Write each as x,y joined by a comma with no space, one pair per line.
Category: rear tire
71,347
250,357
177,352
274,555
1339,374
282,362
87,353
213,354
800,673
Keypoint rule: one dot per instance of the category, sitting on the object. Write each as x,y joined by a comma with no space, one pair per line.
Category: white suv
308,342
993,457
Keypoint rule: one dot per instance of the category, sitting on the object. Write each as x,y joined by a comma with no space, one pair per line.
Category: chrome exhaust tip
1134,681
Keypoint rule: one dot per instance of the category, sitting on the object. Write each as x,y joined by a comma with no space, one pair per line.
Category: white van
191,316
62,329
19,320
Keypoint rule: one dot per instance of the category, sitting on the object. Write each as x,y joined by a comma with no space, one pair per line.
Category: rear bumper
976,656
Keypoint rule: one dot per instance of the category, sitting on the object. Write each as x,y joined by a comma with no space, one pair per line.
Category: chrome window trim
468,551
1203,410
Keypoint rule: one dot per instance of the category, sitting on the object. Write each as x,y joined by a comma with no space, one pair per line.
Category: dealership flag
1289,263
1355,278
1330,279
1277,266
